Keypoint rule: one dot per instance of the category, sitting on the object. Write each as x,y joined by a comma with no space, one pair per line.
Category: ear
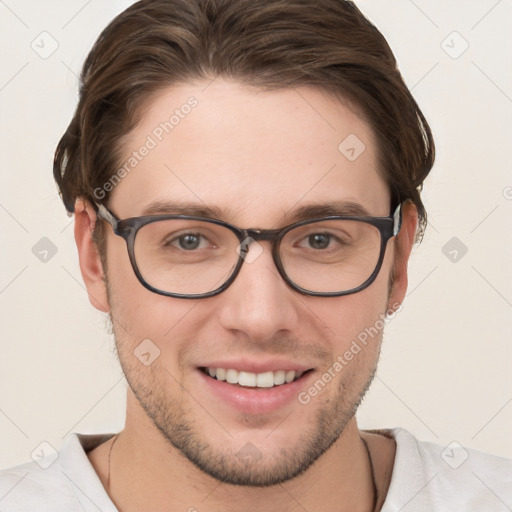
88,255
403,246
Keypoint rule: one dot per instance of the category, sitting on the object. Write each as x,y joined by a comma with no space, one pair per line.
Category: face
255,157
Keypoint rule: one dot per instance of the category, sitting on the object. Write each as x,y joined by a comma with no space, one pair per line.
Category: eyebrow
330,209
179,208
305,212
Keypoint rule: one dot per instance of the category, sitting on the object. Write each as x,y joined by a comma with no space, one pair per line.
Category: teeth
248,379
232,376
264,380
279,377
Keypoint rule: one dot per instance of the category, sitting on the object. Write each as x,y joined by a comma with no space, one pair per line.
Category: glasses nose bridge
248,236
263,235
260,235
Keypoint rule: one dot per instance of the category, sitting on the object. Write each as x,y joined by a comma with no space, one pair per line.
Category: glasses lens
330,256
186,257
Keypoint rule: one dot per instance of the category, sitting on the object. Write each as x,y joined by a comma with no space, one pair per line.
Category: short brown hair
270,44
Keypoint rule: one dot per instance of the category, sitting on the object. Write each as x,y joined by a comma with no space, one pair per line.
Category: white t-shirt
426,478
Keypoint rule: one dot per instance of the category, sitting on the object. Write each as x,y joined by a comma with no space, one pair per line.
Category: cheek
348,316
351,315
138,313
355,325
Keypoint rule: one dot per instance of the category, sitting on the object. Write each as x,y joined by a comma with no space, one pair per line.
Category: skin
255,156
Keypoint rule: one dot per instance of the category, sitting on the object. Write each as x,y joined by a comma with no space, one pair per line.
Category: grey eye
189,241
319,240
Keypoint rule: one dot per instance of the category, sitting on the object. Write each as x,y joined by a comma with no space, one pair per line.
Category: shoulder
32,487
63,481
429,476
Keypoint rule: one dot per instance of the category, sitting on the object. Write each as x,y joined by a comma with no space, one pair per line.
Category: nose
259,303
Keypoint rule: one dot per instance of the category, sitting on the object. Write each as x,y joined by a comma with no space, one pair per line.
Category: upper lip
246,365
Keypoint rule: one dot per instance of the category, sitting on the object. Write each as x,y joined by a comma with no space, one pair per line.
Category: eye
188,241
319,240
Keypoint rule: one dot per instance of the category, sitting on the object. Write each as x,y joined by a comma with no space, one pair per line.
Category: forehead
254,155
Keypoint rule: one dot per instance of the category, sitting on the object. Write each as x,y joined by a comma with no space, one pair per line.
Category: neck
133,467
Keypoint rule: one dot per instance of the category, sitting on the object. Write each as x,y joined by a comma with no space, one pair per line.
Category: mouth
264,380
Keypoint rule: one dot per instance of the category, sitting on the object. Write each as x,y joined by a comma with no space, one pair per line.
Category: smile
268,379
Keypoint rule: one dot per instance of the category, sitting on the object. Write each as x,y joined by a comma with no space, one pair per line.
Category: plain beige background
445,372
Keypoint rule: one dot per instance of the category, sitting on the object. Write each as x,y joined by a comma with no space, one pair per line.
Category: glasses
193,257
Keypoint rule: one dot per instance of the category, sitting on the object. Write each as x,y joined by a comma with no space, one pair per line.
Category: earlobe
404,242
89,258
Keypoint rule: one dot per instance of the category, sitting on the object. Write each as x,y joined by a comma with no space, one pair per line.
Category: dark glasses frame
127,228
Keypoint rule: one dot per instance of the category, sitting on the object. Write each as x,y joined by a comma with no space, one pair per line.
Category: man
245,180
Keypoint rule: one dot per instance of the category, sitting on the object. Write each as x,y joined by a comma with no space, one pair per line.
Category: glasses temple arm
397,219
105,214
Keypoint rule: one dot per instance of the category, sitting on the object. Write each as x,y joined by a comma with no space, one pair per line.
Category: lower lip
256,400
